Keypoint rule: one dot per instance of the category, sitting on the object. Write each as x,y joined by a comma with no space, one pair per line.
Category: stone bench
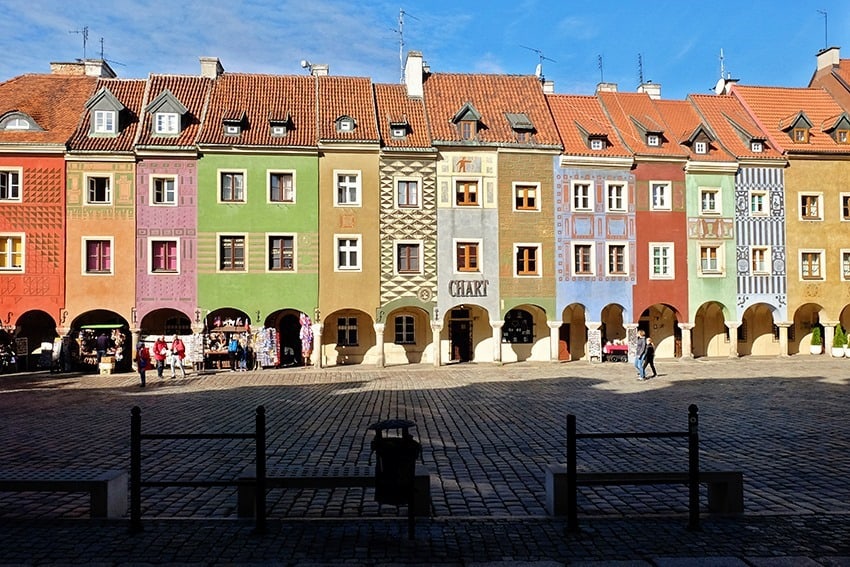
725,488
107,488
346,476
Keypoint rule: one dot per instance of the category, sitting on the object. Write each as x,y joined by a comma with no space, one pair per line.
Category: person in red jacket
160,352
178,353
143,360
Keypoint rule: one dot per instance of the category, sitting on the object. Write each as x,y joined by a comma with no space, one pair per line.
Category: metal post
693,467
135,470
260,487
572,488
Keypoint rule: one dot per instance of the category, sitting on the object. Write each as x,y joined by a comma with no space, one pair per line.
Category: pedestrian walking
160,352
143,360
178,353
640,355
649,357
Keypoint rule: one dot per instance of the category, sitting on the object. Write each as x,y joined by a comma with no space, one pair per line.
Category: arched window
518,328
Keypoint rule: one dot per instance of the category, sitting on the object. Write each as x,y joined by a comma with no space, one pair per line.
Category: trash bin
395,464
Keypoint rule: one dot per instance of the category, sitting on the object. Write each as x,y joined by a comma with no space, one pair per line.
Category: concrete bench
107,488
346,476
725,488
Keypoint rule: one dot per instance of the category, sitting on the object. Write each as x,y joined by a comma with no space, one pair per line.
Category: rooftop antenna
825,28
599,64
400,32
640,68
85,33
102,58
720,86
538,71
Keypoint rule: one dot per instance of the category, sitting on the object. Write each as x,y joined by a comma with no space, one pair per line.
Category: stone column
436,329
733,337
594,341
687,346
379,344
497,340
828,335
318,350
554,337
783,338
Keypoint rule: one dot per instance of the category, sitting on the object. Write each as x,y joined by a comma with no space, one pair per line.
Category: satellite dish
304,63
720,86
538,70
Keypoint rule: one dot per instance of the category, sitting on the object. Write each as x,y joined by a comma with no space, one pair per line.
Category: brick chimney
828,57
211,67
413,73
606,87
91,67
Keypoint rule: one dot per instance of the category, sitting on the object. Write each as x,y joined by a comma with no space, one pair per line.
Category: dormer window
104,122
280,123
653,140
756,147
597,144
700,147
232,129
467,130
345,124
166,123
398,131
521,124
105,113
168,114
278,131
467,121
17,124
18,121
841,136
800,135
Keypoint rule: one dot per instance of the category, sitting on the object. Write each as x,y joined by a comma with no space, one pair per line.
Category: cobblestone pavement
488,434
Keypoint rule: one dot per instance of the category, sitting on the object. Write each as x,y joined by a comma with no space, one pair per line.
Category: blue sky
764,42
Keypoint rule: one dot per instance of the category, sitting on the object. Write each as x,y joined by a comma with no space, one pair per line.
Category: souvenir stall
266,344
116,351
216,336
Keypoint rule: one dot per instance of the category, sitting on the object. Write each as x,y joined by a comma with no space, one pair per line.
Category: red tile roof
346,96
394,106
683,120
574,113
493,96
55,102
259,98
626,110
192,92
771,105
735,129
130,92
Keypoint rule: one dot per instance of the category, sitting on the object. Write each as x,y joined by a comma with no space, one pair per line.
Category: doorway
460,336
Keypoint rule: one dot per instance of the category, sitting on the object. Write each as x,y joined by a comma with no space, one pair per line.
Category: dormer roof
735,129
168,94
579,118
125,97
165,101
397,109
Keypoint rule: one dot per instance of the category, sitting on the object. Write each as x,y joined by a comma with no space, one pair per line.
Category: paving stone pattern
487,432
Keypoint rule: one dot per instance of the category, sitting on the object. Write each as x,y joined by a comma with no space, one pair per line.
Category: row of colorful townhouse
453,217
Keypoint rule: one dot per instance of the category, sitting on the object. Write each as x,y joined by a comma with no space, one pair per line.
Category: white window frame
111,193
701,148
218,175
586,204
23,266
767,260
294,237
624,197
408,179
151,241
756,147
653,140
538,259
479,189
816,194
269,173
844,260
841,198
15,196
357,186
166,123
625,245
763,210
357,266
670,273
480,243
821,263
105,122
396,245
705,192
597,144
152,188
575,244
516,186
84,255
720,255
218,237
667,193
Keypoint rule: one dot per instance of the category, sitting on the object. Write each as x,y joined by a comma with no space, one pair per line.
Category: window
167,123
800,135
758,203
583,260
615,196
404,330
617,264
99,190
756,147
398,132
582,196
466,256
98,256
348,253
278,131
709,201
526,259
346,331
700,147
104,122
526,197
163,257
760,260
466,193
232,187
281,253
345,124
845,265
660,196
281,187
653,140
811,265
661,261
232,129
347,188
17,124
597,144
407,193
845,207
841,136
231,253
810,208
710,260
11,252
408,258
518,327
164,190
10,185
467,129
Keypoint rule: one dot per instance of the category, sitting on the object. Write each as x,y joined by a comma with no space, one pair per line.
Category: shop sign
468,288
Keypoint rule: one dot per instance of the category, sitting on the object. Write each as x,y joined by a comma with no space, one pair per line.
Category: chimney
90,67
211,67
71,68
828,57
413,74
99,68
650,88
606,87
319,69
548,87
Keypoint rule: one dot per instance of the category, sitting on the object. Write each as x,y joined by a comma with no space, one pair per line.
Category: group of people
162,352
644,355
